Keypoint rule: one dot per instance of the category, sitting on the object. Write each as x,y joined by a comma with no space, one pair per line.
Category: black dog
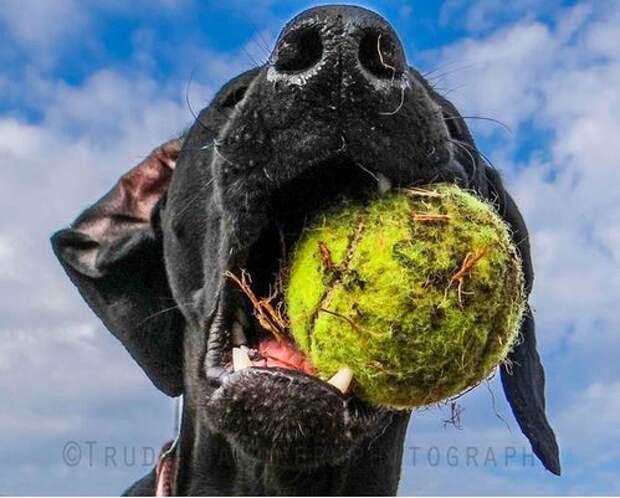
336,112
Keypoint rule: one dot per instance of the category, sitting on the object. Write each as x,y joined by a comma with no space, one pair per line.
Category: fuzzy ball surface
419,292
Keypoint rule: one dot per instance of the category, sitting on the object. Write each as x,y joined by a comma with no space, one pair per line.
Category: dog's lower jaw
208,465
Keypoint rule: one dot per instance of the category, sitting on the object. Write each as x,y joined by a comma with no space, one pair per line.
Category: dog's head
336,112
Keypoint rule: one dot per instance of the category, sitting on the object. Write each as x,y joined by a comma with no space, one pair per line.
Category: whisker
400,105
251,57
366,170
224,158
481,154
440,76
191,109
165,310
427,75
481,118
265,46
445,93
474,163
158,313
193,199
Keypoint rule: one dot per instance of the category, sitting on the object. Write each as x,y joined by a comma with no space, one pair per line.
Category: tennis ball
420,293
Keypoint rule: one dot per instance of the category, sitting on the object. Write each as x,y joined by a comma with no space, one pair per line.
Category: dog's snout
323,38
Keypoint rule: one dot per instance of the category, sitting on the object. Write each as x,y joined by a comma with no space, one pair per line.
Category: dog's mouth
267,399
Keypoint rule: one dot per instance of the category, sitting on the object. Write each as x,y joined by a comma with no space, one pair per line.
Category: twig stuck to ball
430,217
269,317
423,192
459,277
354,325
326,256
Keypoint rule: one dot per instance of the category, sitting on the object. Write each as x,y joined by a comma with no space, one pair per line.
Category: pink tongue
283,354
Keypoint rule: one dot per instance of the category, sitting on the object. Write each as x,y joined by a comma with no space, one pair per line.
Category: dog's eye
234,97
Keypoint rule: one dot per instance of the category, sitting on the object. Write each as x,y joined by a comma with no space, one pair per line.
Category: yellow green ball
374,286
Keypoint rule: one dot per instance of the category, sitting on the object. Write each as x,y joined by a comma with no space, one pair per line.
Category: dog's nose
339,39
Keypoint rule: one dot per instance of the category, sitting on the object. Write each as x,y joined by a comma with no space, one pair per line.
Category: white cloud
32,424
89,137
483,15
7,259
41,24
494,71
69,356
592,420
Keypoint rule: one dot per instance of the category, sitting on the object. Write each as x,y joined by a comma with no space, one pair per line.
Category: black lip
289,418
218,340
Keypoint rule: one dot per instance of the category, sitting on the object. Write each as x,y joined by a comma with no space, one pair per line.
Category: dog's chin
290,419
262,394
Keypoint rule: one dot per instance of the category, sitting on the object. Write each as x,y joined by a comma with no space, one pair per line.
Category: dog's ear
113,254
523,377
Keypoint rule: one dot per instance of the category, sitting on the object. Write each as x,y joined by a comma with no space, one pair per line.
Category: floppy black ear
113,254
524,380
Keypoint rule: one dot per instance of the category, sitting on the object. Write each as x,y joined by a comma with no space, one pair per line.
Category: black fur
323,118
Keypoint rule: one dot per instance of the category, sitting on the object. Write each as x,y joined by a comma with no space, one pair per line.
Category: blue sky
88,88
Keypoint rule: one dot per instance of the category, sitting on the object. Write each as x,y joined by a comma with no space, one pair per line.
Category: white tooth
342,379
242,318
384,184
240,359
238,335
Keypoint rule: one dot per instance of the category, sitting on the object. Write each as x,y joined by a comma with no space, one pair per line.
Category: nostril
379,54
299,50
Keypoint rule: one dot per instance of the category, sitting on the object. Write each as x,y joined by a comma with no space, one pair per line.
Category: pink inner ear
132,199
142,187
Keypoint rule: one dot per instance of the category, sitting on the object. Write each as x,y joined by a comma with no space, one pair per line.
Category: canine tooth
384,184
240,359
238,335
342,379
